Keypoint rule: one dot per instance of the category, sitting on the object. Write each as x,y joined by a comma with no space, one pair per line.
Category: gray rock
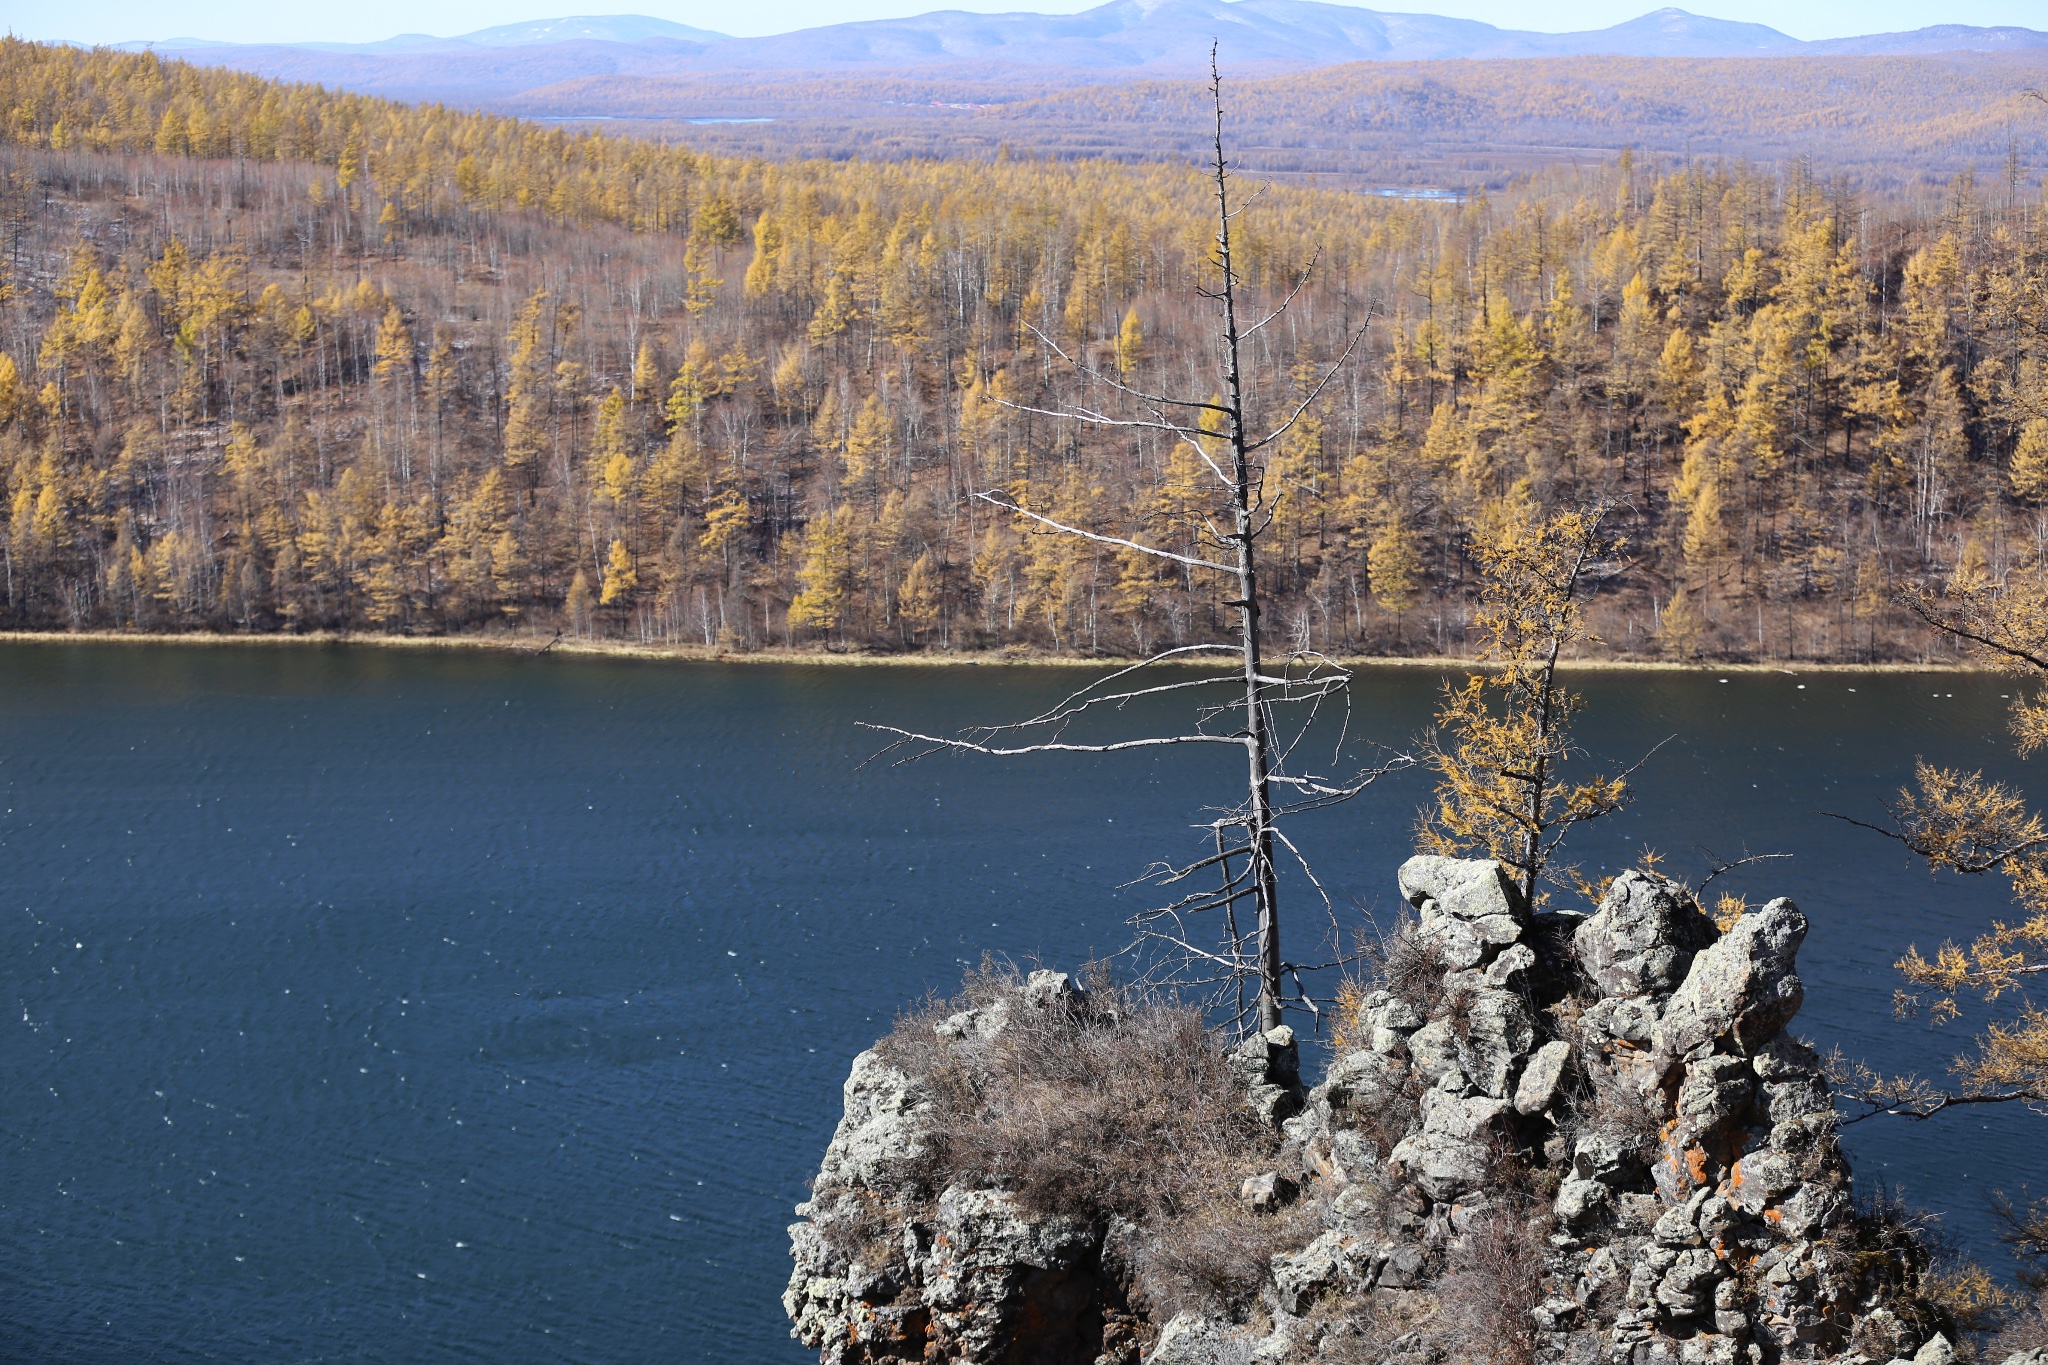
1784,1058
1744,988
992,1268
1498,1034
976,1023
1442,1164
1476,1116
1049,990
1811,1210
1605,1158
1938,1351
1643,937
1581,1202
2037,1356
1191,1339
1463,888
1352,1157
1647,1232
1269,1065
1268,1191
1543,1078
1762,1177
1709,1349
1510,971
1715,1093
1433,1049
1455,943
1361,1080
1686,1289
1323,1265
1390,1011
1675,1229
1272,1058
1403,1267
880,1128
1632,1019
986,1225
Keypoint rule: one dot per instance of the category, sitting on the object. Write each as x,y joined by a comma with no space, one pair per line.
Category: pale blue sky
367,20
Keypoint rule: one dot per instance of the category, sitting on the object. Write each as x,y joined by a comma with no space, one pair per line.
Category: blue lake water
393,1006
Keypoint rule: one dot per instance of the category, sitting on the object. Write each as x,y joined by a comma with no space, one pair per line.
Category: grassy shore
538,644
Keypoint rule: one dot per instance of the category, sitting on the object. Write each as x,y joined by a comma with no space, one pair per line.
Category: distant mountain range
1134,37
601,28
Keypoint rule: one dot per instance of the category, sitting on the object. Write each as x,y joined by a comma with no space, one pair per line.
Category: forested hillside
274,359
1887,122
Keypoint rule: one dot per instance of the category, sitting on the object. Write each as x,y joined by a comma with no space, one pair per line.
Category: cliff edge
1545,1139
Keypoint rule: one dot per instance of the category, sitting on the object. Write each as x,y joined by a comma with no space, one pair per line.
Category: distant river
371,1005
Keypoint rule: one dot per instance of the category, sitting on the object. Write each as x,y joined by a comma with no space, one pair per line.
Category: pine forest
279,359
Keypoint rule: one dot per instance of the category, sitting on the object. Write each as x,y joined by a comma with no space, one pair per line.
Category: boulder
1715,1093
1643,937
1937,1351
879,1127
1468,889
992,1270
1052,990
1444,1166
1190,1339
1510,971
1269,1065
1543,1079
1498,1035
1324,1264
1742,990
1268,1191
1581,1202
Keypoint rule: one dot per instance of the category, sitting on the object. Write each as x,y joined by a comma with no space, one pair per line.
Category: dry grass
1894,1249
1492,1284
1121,1105
2026,1330
1410,968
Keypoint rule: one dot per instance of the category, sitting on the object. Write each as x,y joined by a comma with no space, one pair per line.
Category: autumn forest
278,359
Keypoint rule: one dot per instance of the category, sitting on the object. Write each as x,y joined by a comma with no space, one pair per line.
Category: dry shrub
1602,1103
1410,968
1894,1249
1368,1329
1492,1285
1388,1112
1216,1256
2024,1229
1121,1105
1965,1292
1347,1032
2026,1330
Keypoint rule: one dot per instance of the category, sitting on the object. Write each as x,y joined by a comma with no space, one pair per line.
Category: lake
374,1005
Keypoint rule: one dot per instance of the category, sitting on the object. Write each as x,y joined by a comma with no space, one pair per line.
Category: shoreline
535,646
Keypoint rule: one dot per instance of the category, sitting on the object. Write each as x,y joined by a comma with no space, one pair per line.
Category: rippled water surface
395,1006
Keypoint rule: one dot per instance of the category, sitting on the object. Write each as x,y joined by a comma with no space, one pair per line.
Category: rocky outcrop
1593,1129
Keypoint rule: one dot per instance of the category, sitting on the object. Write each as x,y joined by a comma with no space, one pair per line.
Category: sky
109,21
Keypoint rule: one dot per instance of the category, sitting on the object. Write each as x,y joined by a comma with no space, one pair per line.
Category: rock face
1612,1099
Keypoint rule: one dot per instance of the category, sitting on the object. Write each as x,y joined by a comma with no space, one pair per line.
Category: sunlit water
398,1006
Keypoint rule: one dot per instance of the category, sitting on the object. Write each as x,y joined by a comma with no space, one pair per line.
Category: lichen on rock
1545,1139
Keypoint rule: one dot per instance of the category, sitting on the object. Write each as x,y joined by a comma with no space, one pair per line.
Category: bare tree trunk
1217,429
1257,738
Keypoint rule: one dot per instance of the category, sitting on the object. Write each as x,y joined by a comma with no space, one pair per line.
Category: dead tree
1271,710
